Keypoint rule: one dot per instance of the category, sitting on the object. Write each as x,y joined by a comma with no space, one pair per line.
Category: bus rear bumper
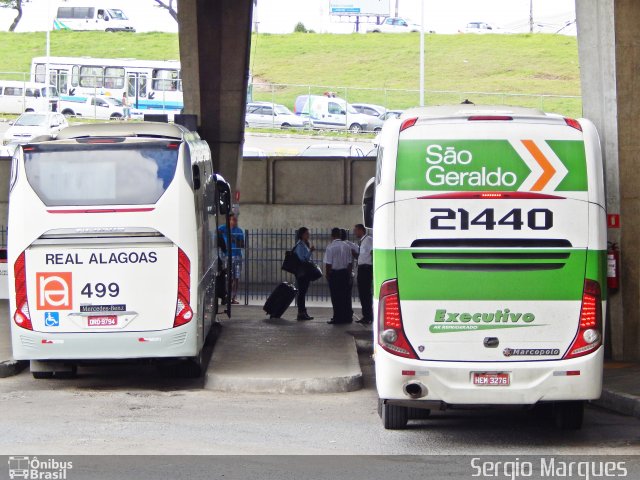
175,342
530,382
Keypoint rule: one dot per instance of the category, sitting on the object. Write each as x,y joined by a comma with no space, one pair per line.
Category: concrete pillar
609,46
215,40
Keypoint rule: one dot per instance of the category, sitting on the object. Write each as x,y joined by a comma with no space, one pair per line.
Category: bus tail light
589,336
391,334
22,316
184,314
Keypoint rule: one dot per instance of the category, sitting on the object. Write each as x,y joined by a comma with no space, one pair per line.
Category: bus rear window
88,175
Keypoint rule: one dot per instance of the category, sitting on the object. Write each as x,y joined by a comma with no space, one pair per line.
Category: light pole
422,53
530,16
47,70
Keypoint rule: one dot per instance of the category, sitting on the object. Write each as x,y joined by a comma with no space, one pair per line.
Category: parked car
29,126
101,107
369,109
478,27
332,150
397,25
391,114
332,113
272,115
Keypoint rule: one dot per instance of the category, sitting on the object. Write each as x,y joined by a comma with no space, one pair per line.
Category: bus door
136,87
59,79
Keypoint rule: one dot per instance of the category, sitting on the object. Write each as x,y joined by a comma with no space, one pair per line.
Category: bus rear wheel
568,415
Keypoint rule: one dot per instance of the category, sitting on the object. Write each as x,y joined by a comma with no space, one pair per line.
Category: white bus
91,17
489,228
152,85
17,97
113,248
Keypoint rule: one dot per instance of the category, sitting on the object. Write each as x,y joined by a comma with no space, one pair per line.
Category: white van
332,113
92,17
17,97
489,261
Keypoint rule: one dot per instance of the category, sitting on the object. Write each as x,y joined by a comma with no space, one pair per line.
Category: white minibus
17,97
92,17
489,231
112,247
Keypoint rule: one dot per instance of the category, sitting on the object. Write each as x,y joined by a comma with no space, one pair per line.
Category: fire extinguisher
613,267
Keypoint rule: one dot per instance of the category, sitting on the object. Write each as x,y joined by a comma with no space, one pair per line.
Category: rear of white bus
490,277
103,251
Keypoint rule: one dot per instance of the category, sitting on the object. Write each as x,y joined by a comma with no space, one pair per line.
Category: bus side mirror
368,203
224,196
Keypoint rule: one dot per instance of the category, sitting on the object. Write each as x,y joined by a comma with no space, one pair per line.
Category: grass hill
375,68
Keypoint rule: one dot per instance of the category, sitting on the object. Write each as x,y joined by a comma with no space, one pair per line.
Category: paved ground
132,409
283,356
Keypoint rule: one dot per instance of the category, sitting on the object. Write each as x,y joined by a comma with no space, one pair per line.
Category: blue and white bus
154,85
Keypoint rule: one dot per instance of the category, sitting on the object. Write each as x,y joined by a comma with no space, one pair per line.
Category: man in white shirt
365,273
338,262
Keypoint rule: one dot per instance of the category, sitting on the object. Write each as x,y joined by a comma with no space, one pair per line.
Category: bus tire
568,415
394,417
68,113
42,375
418,413
67,374
355,128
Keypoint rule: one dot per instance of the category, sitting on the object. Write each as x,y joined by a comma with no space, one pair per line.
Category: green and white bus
489,229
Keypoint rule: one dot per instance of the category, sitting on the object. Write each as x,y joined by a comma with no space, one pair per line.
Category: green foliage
300,28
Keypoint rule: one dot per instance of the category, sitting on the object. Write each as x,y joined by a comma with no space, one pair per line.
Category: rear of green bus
490,246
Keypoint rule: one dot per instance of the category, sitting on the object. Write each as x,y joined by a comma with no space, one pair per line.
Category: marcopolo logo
54,291
32,468
445,321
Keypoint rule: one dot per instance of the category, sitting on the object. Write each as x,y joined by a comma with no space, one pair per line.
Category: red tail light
409,122
391,334
22,316
573,123
184,314
589,336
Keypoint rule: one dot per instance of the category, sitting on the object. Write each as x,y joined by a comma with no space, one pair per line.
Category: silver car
272,115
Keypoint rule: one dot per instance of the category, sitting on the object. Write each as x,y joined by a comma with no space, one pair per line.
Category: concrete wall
287,192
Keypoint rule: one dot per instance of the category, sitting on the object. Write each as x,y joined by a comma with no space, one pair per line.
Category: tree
16,5
167,6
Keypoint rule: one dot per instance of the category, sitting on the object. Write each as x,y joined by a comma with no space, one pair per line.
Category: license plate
102,321
491,379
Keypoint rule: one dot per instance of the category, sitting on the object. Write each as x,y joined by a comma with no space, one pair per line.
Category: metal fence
263,255
400,99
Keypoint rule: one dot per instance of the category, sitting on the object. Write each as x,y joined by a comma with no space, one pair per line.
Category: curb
619,402
230,384
9,368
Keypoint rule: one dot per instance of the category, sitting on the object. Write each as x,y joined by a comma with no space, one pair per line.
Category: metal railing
263,255
400,99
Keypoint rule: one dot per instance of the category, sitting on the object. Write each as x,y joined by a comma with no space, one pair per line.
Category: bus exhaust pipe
415,390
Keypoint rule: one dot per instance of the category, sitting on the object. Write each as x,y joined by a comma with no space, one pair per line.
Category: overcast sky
280,16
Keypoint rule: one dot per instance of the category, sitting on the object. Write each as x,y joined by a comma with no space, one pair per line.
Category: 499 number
460,219
100,290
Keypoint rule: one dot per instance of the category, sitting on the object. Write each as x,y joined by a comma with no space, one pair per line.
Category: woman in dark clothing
303,250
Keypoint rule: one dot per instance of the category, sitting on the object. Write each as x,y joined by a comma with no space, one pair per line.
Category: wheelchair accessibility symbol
52,319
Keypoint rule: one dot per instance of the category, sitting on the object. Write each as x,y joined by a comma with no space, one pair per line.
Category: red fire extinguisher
613,267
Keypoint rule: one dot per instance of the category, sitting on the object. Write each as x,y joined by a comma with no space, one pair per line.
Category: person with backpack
303,250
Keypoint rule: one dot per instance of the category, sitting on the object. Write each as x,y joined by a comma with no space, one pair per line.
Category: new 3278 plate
493,379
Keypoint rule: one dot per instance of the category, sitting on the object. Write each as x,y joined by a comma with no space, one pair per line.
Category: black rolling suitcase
280,299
